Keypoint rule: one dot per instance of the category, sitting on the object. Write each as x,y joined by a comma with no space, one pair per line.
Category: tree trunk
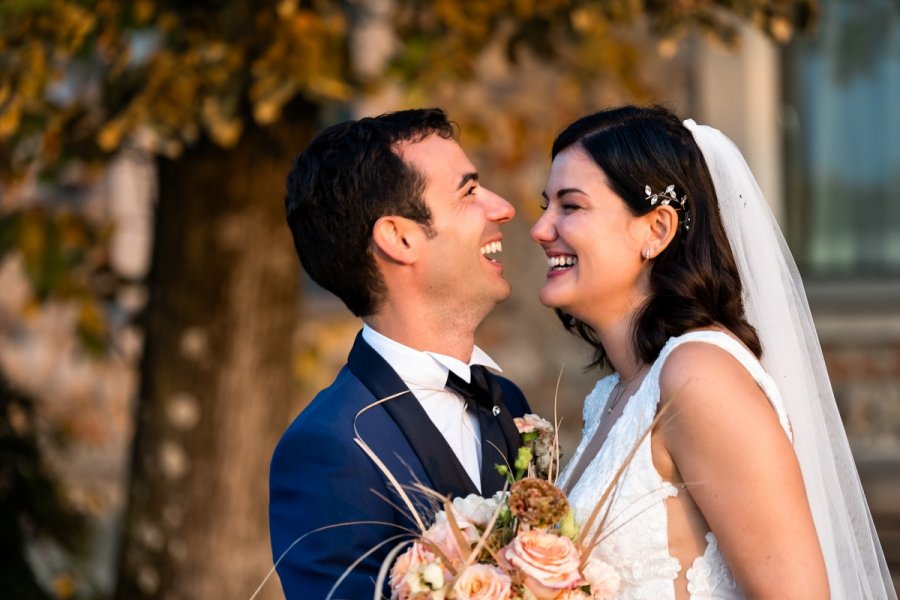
217,389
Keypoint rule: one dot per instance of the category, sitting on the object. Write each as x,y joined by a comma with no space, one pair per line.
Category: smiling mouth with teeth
559,263
491,248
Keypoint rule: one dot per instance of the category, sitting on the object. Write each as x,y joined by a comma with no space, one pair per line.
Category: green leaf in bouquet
567,527
505,472
523,459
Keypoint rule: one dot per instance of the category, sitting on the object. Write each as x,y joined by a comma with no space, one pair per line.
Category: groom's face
459,265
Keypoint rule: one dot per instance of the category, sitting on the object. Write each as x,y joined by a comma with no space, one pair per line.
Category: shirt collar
427,369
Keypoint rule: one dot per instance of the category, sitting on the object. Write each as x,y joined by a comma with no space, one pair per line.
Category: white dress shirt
425,374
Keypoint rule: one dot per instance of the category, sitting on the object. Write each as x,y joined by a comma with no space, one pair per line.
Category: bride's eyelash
565,206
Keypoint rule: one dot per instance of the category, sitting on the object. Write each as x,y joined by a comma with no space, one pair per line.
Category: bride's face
592,242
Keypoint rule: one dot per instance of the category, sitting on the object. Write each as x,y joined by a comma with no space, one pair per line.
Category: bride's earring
646,254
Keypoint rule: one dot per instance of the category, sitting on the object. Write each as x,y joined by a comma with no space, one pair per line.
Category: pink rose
482,582
602,577
441,535
549,562
573,594
532,422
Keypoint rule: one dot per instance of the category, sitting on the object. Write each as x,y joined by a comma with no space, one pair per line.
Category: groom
388,214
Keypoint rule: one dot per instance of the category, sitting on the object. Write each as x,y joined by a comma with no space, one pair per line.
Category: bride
664,257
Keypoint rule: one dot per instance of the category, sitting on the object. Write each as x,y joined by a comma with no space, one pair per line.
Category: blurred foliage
81,77
32,505
444,37
64,258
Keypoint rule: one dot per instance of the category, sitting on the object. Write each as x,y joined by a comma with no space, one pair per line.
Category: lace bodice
635,538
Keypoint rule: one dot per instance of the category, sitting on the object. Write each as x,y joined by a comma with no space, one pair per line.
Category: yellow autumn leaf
223,127
781,29
226,133
90,320
64,585
32,236
72,234
143,10
110,135
268,109
329,87
286,8
75,24
172,149
10,117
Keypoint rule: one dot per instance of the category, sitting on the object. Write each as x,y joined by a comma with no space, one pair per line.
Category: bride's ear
394,239
663,223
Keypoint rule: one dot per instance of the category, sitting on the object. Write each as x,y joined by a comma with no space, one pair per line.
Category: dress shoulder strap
742,355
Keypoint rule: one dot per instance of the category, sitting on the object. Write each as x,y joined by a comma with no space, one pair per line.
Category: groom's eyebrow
466,179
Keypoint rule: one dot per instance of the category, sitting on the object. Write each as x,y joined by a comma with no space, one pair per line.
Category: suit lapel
439,461
499,440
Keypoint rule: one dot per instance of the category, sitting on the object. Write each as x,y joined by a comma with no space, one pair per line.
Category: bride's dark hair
694,281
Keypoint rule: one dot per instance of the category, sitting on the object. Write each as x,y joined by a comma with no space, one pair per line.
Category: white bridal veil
776,306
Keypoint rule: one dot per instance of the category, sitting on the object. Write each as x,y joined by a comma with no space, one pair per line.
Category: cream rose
602,577
549,562
482,582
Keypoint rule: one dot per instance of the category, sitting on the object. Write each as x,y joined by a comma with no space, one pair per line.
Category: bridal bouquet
518,544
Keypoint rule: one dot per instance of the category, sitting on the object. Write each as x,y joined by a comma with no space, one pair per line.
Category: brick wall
866,382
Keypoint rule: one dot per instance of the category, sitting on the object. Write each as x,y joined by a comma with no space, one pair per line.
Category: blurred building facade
819,123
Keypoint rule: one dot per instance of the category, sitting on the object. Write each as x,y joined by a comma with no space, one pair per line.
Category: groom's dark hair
348,177
694,281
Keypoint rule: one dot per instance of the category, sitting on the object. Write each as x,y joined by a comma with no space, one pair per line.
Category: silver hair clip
667,197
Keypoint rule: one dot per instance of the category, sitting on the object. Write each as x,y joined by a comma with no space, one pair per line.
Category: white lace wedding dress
635,538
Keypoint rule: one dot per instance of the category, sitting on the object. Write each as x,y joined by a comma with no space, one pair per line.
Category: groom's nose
499,209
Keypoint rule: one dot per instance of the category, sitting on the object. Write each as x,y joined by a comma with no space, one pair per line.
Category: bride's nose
544,229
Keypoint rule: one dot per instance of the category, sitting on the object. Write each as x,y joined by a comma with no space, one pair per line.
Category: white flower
475,509
413,575
433,575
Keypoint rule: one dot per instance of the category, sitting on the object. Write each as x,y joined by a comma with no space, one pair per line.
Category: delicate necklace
622,388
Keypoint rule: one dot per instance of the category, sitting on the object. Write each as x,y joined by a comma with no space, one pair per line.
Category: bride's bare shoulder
699,373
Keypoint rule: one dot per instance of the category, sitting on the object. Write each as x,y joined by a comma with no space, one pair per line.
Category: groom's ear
663,221
395,239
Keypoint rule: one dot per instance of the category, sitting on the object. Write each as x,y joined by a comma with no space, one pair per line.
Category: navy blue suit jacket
320,477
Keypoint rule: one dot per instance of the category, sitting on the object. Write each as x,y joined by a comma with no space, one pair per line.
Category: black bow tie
477,392
499,438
